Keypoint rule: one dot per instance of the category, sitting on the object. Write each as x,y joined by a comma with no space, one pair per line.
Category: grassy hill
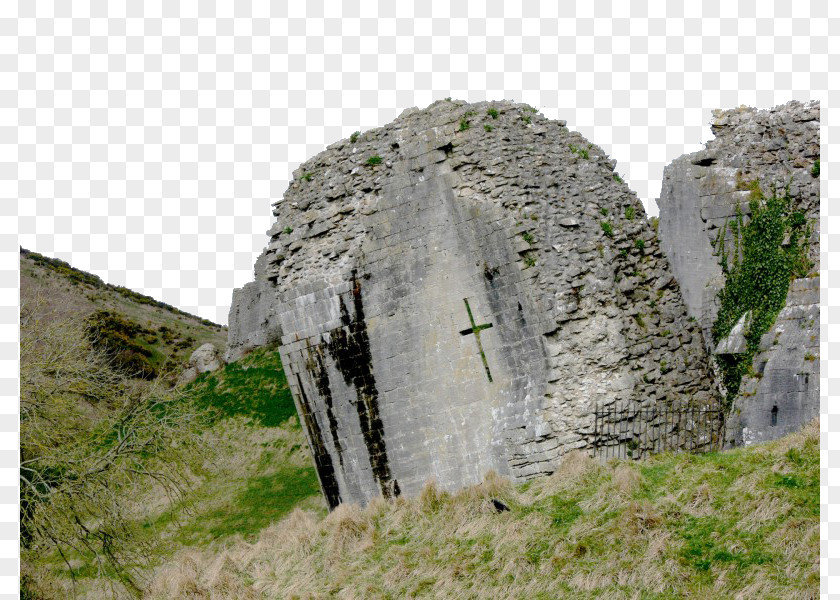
253,468
259,471
735,524
253,524
160,337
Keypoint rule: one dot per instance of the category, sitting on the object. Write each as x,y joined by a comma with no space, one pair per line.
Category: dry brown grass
625,530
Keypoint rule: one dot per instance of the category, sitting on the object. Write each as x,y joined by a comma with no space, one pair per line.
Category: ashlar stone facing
464,302
701,194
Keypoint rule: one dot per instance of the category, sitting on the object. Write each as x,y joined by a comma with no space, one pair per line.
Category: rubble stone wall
701,194
456,292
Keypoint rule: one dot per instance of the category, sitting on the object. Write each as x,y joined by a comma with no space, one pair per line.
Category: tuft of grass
629,213
307,176
605,211
639,244
354,136
374,160
607,228
815,170
526,119
618,178
488,128
582,152
493,113
287,230
464,125
741,523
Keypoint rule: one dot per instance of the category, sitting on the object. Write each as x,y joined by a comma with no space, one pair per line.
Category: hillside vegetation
737,524
146,336
256,470
119,469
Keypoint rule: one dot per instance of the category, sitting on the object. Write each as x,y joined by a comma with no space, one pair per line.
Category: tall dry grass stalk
623,530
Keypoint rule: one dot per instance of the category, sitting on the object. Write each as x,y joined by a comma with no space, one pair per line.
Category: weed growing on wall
768,253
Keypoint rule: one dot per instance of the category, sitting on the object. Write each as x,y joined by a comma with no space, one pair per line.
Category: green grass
740,523
374,160
254,387
262,500
261,473
581,152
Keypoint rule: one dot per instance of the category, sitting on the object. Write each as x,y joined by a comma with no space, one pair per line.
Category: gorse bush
116,336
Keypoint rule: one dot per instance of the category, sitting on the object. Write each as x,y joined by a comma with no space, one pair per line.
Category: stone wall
701,194
466,302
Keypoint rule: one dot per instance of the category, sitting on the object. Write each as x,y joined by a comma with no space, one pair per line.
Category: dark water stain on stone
349,347
322,382
323,460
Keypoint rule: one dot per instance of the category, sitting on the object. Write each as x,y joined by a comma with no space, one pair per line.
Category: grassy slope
67,291
261,472
736,524
262,468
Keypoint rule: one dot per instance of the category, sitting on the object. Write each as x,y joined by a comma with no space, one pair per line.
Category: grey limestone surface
701,195
464,303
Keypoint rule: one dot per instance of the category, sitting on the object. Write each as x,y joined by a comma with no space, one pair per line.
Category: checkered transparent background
145,141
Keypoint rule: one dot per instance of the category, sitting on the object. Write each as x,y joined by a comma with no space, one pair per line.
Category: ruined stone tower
457,292
703,195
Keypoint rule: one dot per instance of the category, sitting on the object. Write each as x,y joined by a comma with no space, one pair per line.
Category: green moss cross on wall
768,252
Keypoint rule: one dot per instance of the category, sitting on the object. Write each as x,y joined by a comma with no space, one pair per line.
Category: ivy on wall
767,253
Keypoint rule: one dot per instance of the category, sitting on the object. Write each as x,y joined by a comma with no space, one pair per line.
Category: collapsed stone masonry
701,195
457,292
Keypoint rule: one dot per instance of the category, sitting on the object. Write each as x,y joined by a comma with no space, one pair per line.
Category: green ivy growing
768,252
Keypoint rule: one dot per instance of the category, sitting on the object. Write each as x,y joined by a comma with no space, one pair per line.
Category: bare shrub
90,438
